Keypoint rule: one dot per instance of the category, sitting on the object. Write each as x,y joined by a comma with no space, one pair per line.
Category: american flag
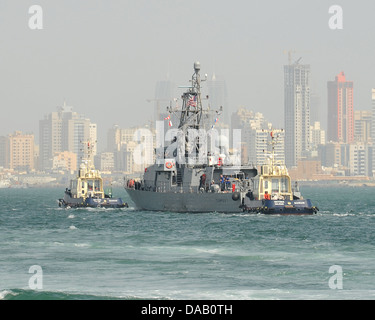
214,123
193,101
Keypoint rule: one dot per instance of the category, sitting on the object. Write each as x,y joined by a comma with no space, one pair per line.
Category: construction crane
290,52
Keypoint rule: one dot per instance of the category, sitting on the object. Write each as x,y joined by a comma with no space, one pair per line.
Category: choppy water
129,254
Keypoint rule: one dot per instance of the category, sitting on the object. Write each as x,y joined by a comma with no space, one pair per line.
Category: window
275,185
97,185
284,184
73,185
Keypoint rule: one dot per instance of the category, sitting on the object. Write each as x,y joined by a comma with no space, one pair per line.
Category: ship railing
196,160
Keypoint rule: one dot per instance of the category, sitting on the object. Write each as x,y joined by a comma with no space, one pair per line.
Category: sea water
47,252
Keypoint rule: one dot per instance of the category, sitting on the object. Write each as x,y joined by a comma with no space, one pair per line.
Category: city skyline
107,58
322,160
148,121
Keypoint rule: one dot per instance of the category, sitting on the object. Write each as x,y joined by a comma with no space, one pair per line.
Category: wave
256,294
27,294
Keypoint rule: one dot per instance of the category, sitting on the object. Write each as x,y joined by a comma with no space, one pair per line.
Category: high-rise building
93,136
258,143
360,159
362,126
340,116
255,134
315,112
317,135
334,154
63,130
296,111
49,139
126,144
105,161
21,151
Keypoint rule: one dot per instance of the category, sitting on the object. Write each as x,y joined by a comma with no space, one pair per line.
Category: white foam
81,245
4,293
72,228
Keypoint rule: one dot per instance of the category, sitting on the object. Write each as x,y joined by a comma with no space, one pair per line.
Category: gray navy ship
194,178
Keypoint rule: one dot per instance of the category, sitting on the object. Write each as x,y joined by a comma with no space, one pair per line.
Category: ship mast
191,113
275,135
191,117
88,158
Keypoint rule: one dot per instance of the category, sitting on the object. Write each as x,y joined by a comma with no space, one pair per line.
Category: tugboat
179,181
275,189
86,190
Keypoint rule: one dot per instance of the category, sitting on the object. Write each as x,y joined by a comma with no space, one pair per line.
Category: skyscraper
340,116
63,130
296,111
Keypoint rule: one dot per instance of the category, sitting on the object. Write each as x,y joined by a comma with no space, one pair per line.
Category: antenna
275,136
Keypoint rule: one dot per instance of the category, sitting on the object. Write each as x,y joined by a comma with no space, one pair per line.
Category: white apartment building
317,135
296,111
63,130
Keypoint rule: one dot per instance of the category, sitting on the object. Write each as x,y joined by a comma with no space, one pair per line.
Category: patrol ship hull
223,203
186,202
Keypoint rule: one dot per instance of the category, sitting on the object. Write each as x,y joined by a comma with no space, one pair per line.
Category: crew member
222,183
202,183
267,196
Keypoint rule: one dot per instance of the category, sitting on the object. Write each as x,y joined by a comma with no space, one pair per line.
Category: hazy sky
105,57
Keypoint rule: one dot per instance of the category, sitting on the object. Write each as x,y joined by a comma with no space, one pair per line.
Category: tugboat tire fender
235,196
